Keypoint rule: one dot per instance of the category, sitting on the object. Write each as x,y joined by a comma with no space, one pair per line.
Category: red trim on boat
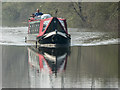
61,19
41,26
41,63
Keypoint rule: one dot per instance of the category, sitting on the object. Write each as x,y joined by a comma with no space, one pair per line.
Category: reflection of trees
97,63
14,67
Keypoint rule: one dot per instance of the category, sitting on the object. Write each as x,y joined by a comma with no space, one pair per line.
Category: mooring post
25,39
36,44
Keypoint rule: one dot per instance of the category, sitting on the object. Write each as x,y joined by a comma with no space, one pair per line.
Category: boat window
45,23
34,28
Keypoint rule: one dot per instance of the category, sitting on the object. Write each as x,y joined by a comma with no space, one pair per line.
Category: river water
90,62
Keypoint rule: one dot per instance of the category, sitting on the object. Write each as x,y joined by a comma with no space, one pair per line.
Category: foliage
97,15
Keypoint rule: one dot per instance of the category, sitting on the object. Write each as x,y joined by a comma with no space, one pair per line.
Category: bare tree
78,10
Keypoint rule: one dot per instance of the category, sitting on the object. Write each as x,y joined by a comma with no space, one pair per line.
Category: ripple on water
16,36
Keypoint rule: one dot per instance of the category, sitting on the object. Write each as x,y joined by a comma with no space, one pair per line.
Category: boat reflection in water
45,65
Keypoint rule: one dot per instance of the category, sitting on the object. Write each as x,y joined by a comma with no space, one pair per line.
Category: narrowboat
48,30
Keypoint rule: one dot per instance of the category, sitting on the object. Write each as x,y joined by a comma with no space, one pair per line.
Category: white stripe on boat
62,57
62,34
54,32
54,58
50,57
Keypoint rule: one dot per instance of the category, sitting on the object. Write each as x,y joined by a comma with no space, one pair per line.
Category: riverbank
98,15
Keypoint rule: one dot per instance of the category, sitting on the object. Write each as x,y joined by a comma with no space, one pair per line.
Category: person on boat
33,15
38,13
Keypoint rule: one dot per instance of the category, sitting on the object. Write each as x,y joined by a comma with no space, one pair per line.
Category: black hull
57,52
54,51
54,39
54,32
60,55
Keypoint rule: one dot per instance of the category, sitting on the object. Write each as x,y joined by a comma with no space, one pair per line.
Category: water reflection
45,64
77,67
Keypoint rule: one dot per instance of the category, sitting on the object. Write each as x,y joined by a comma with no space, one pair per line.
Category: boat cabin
39,25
